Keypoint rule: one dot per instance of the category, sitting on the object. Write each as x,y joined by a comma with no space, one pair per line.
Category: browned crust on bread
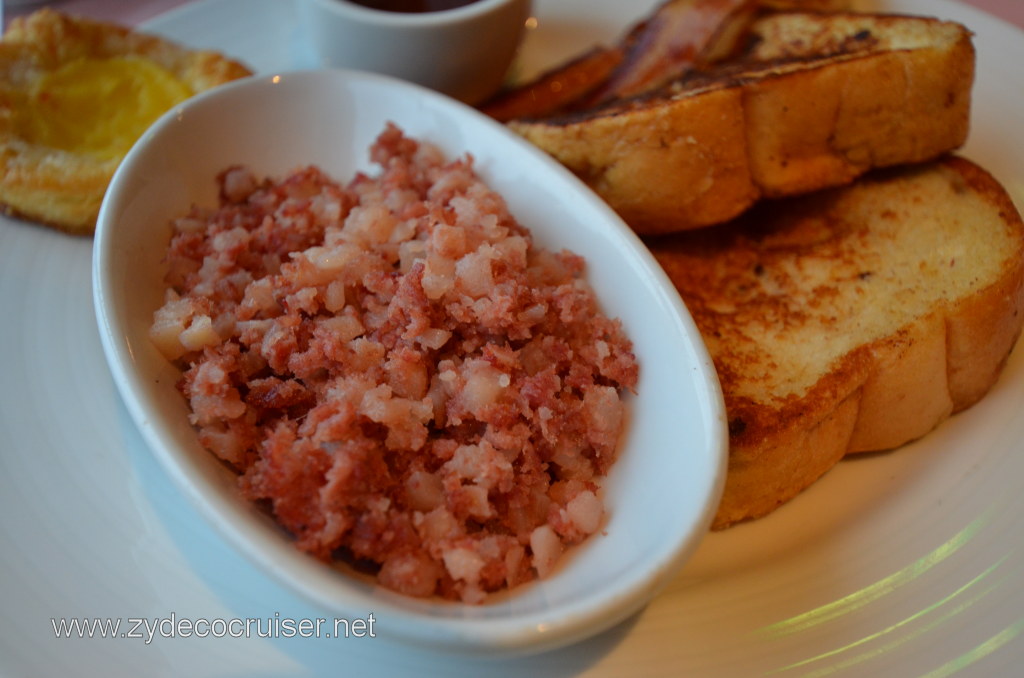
982,329
716,142
58,188
830,125
881,393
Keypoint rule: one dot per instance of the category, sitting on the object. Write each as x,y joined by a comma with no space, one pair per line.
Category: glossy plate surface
902,564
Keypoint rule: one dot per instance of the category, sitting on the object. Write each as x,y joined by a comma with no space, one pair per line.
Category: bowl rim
471,633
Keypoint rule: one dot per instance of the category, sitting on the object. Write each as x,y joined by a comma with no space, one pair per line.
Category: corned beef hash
395,371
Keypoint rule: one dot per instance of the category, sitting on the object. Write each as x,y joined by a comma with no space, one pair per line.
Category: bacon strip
670,43
675,37
555,90
678,36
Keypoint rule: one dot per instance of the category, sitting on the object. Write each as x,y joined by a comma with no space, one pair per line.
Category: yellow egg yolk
99,107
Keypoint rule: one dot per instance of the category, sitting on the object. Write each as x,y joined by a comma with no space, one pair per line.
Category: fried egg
75,94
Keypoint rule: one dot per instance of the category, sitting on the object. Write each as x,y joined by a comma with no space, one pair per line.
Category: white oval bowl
661,493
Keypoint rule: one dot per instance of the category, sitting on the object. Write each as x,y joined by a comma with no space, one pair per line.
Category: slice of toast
814,100
854,319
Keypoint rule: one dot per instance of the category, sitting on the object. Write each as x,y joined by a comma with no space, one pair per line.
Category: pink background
133,11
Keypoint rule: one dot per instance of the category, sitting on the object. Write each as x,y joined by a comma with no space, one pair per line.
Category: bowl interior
661,493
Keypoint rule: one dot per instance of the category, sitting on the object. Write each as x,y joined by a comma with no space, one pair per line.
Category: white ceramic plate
902,564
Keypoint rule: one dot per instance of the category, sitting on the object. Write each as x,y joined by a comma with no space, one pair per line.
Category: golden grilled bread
812,100
855,319
74,95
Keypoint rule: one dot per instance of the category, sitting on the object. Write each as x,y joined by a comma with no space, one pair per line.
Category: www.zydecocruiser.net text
148,629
